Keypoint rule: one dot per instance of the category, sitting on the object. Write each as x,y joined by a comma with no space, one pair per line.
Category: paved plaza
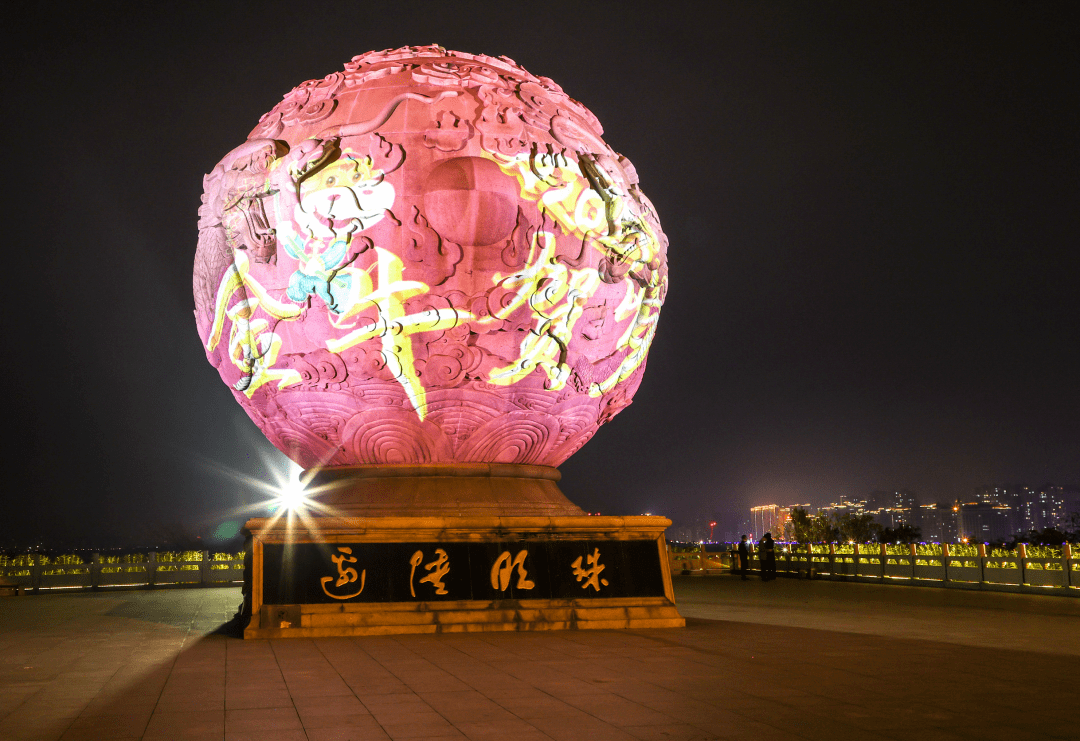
781,660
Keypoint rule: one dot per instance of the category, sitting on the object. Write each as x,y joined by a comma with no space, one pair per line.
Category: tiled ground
783,660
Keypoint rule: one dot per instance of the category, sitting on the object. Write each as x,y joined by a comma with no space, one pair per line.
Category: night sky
873,211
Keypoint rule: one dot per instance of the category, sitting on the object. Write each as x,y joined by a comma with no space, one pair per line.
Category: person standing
744,557
768,558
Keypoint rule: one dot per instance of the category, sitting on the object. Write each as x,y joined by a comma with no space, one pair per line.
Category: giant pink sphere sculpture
430,257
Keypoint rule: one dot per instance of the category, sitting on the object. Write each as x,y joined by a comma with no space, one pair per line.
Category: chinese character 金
438,568
591,574
504,566
346,575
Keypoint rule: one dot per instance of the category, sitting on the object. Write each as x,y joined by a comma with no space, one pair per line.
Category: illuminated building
764,518
979,522
1045,507
1033,508
771,518
892,508
938,522
845,507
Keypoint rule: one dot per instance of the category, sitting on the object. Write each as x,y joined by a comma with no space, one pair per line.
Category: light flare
287,494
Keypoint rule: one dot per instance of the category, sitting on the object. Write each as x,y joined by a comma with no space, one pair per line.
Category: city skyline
994,513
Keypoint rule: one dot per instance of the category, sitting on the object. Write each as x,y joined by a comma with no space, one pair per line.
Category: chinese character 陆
438,568
346,575
591,574
504,566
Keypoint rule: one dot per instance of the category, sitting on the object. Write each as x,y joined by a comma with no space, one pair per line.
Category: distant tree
787,531
1072,527
859,528
808,528
1048,536
800,525
900,534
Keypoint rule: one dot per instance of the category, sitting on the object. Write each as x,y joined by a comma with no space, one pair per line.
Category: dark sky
873,212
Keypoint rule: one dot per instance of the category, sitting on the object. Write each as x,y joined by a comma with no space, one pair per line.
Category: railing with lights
1028,568
701,558
39,573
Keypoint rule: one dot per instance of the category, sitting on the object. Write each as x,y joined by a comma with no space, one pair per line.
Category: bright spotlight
292,495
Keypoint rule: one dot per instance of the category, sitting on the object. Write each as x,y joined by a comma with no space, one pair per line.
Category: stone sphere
430,257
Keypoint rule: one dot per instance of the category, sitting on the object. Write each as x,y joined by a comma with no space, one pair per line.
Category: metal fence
37,573
1037,569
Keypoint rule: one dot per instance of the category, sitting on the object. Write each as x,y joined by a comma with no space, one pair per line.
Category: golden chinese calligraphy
504,566
591,574
438,568
346,575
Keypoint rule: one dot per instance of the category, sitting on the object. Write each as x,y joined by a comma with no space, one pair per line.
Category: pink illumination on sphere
429,257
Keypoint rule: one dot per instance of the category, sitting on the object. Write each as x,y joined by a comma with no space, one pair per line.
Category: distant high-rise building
1032,508
892,508
1070,495
992,495
904,507
771,518
1050,506
981,522
782,520
938,522
1037,507
764,519
845,506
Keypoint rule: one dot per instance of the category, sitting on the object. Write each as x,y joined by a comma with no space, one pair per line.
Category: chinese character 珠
500,572
591,574
438,568
346,575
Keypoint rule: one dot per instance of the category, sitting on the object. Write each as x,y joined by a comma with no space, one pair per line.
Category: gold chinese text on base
512,573
501,572
504,566
438,569
591,574
346,575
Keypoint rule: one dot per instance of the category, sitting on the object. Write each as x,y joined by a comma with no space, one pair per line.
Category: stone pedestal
351,576
437,489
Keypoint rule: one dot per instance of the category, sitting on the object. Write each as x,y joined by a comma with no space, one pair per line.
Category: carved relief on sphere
394,436
516,437
471,201
449,133
464,272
